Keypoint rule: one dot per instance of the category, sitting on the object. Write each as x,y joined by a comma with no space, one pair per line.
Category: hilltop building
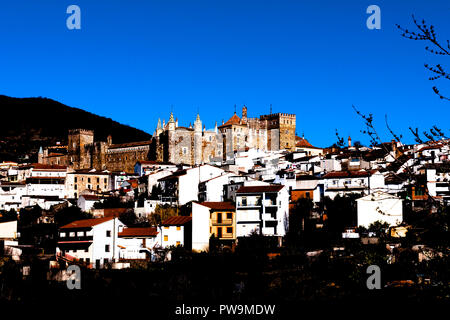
196,145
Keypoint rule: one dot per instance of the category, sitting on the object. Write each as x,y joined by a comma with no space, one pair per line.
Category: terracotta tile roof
437,146
176,221
90,197
302,142
348,174
114,212
234,120
258,189
219,205
86,223
41,166
138,232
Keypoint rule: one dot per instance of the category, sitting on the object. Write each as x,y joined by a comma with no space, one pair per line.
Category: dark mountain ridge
28,123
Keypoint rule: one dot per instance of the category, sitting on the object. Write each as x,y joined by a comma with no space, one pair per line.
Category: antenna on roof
235,108
270,108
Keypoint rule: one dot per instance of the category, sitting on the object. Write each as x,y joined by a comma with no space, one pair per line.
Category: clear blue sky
132,60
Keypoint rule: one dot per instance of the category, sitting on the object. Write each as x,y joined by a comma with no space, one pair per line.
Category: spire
159,124
198,117
171,120
215,127
40,150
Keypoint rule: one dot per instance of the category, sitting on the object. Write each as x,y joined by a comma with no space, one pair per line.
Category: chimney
349,142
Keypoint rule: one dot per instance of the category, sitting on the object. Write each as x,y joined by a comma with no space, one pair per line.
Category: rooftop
259,189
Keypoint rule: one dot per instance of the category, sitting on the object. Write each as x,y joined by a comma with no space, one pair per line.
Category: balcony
222,222
249,204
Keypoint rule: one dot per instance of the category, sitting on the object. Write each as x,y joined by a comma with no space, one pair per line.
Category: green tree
70,214
10,215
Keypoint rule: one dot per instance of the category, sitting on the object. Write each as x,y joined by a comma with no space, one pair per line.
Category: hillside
28,123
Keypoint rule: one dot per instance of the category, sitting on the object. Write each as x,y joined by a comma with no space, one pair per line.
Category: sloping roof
86,223
130,144
257,189
302,142
175,175
41,166
436,146
176,221
348,174
90,197
234,120
219,205
139,232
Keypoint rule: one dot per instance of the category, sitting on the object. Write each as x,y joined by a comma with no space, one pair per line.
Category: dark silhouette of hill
28,123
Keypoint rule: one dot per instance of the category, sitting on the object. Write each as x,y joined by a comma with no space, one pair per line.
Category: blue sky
132,60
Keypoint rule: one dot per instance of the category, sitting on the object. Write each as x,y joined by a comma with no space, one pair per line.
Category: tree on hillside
70,214
341,212
10,215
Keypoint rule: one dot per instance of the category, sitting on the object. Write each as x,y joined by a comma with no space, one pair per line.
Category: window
89,180
107,248
76,179
62,234
244,201
178,228
76,187
166,238
98,180
229,230
167,228
105,181
72,234
108,233
229,215
178,243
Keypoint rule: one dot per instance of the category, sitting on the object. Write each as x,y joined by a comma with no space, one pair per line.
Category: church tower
171,138
197,141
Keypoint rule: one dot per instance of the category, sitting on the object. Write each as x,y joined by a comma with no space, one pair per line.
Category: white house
9,239
438,181
46,180
93,241
176,231
347,182
137,243
212,189
11,195
86,201
379,206
182,185
263,209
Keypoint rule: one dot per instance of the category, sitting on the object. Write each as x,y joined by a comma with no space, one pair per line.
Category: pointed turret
171,122
198,123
